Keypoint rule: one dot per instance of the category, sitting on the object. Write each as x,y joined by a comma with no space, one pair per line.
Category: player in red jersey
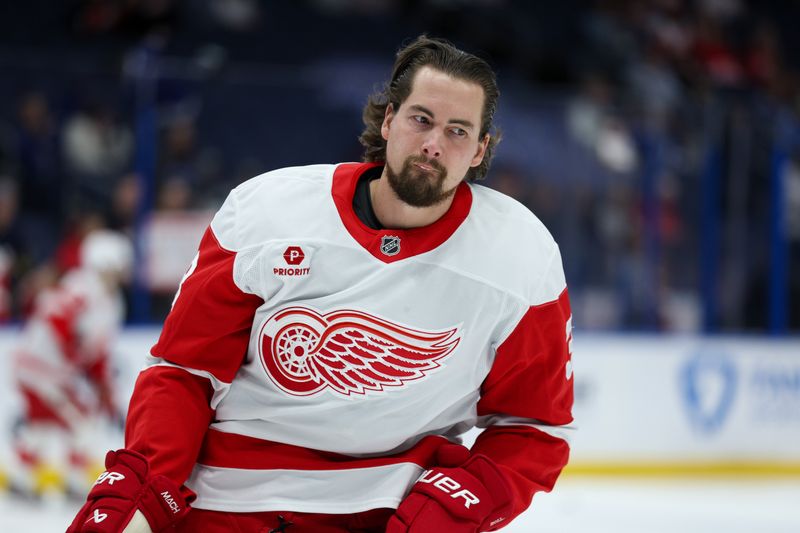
62,369
343,325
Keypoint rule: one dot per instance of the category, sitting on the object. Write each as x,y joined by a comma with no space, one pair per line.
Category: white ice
580,505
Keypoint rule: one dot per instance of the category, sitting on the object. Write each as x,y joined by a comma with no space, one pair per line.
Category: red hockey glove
465,494
124,488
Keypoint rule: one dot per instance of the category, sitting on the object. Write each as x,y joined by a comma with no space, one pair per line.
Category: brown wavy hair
444,57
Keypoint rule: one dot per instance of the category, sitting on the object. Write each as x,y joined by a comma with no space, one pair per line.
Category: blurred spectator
589,109
610,39
615,147
96,16
42,184
593,119
178,151
666,25
129,18
183,159
12,246
237,15
509,180
762,58
172,233
655,90
97,148
714,54
68,253
175,195
125,202
720,10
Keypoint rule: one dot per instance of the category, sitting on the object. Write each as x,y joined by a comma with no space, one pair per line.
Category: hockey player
61,367
342,325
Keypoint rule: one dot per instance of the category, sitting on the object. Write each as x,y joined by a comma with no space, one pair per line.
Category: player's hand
464,494
125,494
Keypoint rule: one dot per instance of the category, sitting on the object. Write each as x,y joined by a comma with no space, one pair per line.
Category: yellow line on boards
721,469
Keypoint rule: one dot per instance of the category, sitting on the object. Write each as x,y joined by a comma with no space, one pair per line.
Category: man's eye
459,132
420,119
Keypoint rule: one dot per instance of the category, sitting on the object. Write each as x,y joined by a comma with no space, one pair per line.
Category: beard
416,187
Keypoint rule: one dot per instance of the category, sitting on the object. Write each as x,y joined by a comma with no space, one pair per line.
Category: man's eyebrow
462,121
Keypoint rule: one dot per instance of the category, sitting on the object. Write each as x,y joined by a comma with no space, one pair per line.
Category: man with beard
343,325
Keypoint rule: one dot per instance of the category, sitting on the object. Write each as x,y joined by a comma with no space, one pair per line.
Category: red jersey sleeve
168,417
205,338
208,328
526,400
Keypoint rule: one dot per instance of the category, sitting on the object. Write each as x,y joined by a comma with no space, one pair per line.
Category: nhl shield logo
390,245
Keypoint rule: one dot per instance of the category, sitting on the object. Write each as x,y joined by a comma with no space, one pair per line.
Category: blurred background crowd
659,140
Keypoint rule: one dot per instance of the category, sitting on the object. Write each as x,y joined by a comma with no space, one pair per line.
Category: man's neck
395,213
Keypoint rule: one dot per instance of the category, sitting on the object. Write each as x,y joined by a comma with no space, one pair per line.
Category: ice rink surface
580,505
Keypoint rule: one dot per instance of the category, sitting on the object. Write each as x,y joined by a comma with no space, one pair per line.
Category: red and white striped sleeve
203,342
526,400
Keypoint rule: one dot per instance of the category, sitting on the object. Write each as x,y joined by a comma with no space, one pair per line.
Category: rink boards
645,405
677,405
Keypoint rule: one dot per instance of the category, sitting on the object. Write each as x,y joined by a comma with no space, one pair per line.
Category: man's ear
481,151
387,120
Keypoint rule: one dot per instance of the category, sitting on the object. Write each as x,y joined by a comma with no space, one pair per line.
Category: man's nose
432,145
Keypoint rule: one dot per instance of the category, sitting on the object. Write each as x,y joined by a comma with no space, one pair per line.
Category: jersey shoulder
511,224
504,243
308,176
272,202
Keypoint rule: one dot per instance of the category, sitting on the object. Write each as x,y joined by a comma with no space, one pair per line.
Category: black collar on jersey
362,199
410,242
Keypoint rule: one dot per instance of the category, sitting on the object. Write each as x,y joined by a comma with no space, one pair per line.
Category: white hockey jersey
341,357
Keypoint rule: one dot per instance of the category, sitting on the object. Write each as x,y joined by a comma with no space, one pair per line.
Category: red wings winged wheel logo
348,352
